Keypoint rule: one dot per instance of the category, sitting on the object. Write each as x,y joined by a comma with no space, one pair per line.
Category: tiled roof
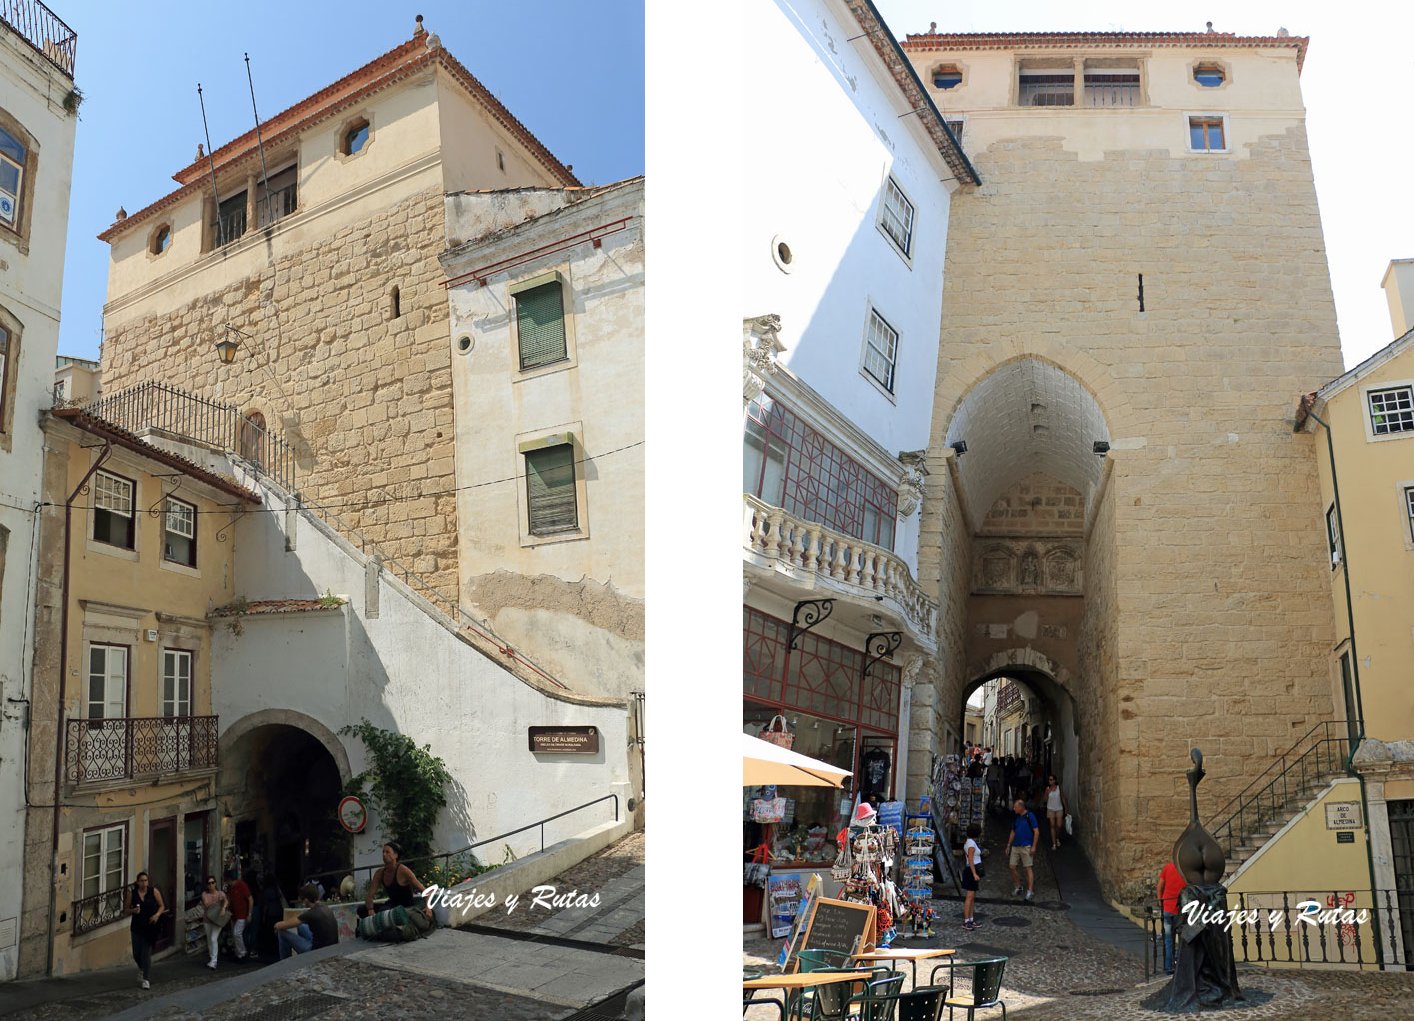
392,67
121,437
924,42
266,607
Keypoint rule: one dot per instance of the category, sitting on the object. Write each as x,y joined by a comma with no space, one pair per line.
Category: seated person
316,927
396,880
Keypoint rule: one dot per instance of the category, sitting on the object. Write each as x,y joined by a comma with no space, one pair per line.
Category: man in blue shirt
1021,845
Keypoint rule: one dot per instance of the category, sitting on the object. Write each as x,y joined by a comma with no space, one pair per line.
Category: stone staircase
1286,788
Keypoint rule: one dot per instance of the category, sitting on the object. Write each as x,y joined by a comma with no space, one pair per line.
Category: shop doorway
196,864
1401,829
285,787
162,872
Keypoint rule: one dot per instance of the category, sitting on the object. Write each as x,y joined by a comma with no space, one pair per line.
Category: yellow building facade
136,547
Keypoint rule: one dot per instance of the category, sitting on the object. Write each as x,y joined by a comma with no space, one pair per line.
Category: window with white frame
12,172
896,217
880,350
113,520
1409,510
1333,535
107,682
1391,410
105,863
176,683
179,533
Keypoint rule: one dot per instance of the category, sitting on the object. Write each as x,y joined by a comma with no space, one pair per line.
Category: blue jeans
298,939
1170,924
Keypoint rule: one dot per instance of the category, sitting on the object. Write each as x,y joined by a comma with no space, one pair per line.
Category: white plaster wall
598,394
823,124
32,92
405,671
469,140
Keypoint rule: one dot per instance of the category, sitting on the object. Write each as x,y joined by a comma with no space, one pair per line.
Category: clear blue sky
570,70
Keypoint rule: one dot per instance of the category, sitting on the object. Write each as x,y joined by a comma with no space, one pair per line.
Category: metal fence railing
98,910
1340,929
123,748
452,866
154,405
44,30
280,202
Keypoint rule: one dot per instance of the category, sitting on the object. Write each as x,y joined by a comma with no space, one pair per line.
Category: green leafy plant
406,784
448,872
235,609
328,600
73,101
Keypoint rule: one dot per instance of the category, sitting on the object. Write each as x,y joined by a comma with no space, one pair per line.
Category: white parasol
765,763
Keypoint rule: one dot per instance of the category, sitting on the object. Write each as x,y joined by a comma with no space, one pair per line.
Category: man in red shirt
238,895
1171,884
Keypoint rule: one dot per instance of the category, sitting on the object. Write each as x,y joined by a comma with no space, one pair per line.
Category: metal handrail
1288,777
447,856
44,30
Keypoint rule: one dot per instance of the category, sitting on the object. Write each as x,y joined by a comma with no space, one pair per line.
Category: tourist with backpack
1021,847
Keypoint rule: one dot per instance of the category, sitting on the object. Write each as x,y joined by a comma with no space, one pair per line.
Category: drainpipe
1359,701
103,456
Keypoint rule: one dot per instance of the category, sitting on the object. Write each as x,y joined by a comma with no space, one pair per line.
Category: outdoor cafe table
797,982
911,956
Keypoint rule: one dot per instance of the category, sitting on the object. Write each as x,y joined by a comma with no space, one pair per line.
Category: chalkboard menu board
838,925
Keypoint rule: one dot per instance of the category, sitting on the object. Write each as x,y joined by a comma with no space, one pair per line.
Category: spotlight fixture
1101,447
960,446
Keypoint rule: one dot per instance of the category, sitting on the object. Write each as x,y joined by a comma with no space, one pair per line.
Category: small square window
550,490
896,217
1391,410
880,350
355,138
1207,134
956,127
540,325
179,533
161,239
113,520
948,76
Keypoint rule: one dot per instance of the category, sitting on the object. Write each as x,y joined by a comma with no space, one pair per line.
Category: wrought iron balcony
43,30
280,202
230,227
850,566
126,748
98,910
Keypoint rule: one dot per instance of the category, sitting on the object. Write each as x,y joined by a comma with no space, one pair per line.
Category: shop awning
765,763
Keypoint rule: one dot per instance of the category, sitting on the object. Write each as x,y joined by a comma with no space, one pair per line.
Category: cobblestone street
1057,970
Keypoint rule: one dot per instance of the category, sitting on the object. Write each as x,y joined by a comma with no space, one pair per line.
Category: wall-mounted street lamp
228,345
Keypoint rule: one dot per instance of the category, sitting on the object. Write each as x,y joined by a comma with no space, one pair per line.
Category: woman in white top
971,874
1055,810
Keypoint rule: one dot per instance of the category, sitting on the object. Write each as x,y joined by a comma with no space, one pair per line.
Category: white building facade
846,214
38,115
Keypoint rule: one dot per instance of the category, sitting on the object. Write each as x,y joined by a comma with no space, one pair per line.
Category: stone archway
282,776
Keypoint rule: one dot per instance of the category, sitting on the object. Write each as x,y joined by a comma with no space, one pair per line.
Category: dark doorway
1401,831
162,870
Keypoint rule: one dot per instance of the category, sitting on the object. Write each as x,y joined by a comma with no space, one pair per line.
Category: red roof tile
392,67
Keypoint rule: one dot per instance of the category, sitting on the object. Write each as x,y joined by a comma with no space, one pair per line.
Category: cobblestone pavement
1058,972
616,873
107,993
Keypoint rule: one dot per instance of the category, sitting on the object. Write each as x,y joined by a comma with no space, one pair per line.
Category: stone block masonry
1207,613
364,397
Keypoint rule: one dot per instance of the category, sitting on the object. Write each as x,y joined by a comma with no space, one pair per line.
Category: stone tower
1133,296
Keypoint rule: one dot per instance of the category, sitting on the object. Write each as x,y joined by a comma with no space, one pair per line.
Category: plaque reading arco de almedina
564,740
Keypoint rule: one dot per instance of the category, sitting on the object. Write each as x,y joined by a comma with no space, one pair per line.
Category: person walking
238,893
971,875
146,908
1055,810
1021,847
1171,884
215,910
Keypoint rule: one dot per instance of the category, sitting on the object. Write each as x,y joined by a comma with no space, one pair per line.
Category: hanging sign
352,815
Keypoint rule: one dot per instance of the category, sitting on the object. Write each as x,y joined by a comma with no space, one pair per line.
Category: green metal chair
922,1004
986,988
750,999
879,1001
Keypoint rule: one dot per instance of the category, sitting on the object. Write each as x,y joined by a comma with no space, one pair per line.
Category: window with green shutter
550,490
540,325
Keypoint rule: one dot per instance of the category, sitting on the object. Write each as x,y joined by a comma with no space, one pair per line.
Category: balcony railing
871,571
98,910
125,748
280,202
230,227
43,30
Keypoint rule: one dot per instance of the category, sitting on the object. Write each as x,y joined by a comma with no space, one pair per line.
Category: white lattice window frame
106,489
181,518
1367,396
881,341
897,215
105,874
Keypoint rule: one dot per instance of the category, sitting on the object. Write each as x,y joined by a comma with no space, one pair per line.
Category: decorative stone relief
910,487
1012,566
760,346
1053,631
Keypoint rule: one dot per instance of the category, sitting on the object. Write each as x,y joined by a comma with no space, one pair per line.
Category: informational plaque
1342,815
564,740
